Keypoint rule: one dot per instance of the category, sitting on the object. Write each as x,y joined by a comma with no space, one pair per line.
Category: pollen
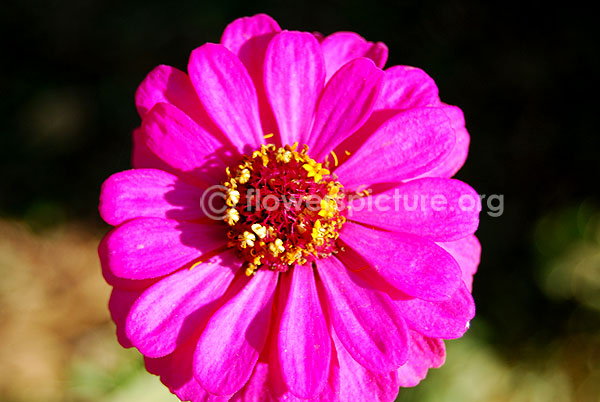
328,208
315,170
233,197
276,247
284,156
246,239
232,216
260,230
244,176
284,208
335,158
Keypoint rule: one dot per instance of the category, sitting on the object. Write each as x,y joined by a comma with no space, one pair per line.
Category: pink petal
361,384
407,87
184,145
111,279
233,338
267,385
142,157
447,319
227,93
167,84
266,382
240,31
121,283
119,305
415,266
257,388
408,144
332,390
341,47
169,312
424,353
176,372
248,39
436,209
403,88
304,341
294,75
467,252
457,157
345,105
363,319
148,193
353,143
279,389
151,247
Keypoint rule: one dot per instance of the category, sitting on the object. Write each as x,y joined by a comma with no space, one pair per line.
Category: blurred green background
525,74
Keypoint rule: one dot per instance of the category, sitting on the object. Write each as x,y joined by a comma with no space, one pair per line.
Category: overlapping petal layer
304,341
148,193
431,208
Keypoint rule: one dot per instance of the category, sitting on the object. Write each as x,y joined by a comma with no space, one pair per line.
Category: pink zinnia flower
346,298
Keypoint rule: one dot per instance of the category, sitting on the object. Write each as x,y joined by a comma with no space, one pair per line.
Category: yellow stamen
246,239
269,135
244,176
335,158
283,155
276,247
318,230
251,270
202,261
231,183
206,258
233,197
232,216
315,170
260,230
328,208
333,190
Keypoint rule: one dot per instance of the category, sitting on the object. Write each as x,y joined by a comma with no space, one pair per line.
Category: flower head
290,229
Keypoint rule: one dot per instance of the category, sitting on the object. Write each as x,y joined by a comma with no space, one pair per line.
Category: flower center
283,208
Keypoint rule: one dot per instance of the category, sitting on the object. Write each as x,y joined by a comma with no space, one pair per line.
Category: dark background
525,76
